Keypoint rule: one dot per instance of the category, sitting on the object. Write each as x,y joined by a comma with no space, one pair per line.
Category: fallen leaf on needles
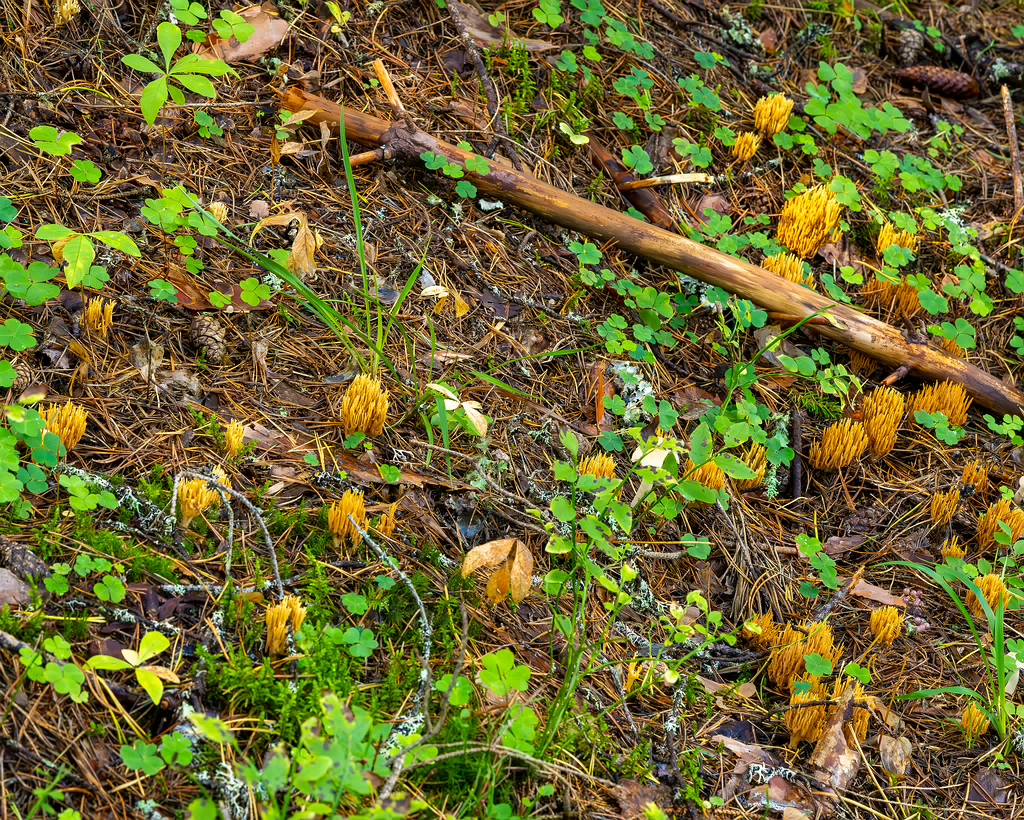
487,35
300,260
634,798
514,563
880,596
498,585
895,754
521,573
744,690
987,786
835,759
487,555
162,672
270,31
147,358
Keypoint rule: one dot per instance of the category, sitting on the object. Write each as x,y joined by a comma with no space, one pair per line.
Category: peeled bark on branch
845,324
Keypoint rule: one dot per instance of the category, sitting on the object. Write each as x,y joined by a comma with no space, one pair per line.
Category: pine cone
20,560
942,81
911,44
206,332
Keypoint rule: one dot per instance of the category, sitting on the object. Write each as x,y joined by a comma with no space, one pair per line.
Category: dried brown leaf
497,587
488,555
300,260
895,754
521,573
487,35
270,31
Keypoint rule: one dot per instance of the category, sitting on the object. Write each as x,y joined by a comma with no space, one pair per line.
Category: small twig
505,751
796,472
1011,133
493,107
823,611
900,372
366,157
392,93
670,179
433,726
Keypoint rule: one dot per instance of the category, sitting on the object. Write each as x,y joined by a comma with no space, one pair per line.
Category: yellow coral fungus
790,267
952,348
600,465
976,475
841,444
99,316
757,460
882,412
862,364
234,439
900,297
277,618
709,474
386,523
64,11
195,498
787,660
762,631
951,549
297,610
68,421
808,220
746,145
946,397
995,592
974,722
887,624
352,504
365,407
944,506
889,235
1001,511
219,211
805,717
771,114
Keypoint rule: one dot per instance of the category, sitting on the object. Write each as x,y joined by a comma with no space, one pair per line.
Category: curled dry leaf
300,260
895,754
498,586
487,555
514,563
521,572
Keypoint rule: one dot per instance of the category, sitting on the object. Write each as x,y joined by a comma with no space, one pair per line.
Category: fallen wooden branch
845,324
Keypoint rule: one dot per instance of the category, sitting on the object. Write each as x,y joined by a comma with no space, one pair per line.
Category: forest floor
620,544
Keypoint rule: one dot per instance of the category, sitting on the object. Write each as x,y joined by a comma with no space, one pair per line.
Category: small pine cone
207,333
910,46
942,81
27,376
20,560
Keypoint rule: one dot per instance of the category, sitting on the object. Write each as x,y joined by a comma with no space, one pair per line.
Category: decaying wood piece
647,202
847,325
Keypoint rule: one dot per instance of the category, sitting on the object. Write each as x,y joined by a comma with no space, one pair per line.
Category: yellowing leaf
487,555
497,587
444,391
461,308
131,656
478,421
521,572
150,682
